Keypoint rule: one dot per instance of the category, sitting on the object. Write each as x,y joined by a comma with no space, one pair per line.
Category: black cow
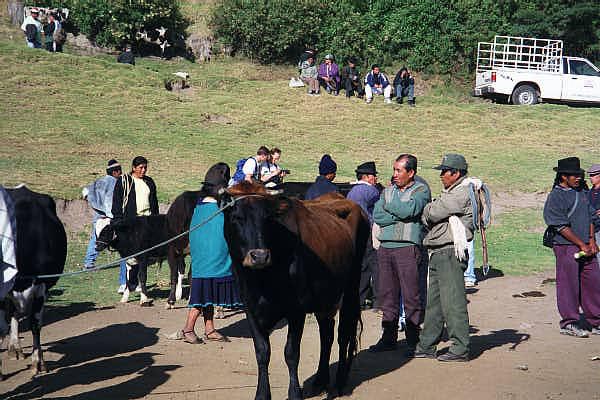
179,217
129,236
41,250
293,257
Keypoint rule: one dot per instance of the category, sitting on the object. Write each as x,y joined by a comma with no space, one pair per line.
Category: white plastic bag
296,82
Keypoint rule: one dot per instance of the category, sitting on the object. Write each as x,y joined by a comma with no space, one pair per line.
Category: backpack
239,175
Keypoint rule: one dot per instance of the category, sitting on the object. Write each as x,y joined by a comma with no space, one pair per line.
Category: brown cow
293,257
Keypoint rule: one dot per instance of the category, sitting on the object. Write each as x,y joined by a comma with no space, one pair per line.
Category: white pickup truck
528,71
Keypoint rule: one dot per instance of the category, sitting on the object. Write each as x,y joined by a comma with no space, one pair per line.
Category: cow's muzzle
257,258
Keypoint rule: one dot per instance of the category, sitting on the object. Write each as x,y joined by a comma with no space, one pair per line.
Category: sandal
188,337
218,338
191,337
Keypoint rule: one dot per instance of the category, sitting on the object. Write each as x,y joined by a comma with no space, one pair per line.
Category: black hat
569,165
367,168
352,60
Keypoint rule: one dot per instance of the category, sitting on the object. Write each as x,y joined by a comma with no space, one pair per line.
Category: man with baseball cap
568,213
99,195
449,221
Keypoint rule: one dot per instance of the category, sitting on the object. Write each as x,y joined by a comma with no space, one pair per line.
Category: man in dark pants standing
398,214
365,193
449,219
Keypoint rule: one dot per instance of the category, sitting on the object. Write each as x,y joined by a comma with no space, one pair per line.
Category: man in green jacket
449,219
398,214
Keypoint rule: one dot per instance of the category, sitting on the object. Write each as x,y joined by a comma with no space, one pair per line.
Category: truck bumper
482,91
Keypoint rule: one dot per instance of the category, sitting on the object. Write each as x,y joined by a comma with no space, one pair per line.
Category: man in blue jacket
324,182
376,82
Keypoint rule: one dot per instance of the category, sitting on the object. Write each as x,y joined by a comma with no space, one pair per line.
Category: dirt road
121,352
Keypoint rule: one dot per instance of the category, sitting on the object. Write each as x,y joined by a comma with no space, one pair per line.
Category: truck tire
525,95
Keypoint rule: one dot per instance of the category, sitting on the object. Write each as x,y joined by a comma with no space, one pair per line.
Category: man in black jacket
127,56
351,79
135,193
404,84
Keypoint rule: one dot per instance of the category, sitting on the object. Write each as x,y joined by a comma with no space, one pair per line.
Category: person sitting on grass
404,83
126,57
329,75
351,79
213,284
376,82
309,75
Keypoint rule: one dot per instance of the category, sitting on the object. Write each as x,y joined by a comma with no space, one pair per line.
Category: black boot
412,333
411,103
388,338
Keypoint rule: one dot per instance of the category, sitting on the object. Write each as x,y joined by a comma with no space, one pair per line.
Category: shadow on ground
94,357
368,365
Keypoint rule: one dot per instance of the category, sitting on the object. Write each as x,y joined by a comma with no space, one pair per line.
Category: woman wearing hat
568,212
329,75
33,29
212,280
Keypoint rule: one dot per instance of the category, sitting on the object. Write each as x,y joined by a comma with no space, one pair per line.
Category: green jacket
398,213
452,201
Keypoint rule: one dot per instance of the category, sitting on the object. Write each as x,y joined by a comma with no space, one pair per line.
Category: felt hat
594,169
569,165
34,10
327,165
367,168
329,57
453,161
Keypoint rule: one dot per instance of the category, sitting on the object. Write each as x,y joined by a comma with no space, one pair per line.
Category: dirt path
121,352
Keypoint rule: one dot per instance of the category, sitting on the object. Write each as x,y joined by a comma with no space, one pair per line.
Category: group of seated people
329,76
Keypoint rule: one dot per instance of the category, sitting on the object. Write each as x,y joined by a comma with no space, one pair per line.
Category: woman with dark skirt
212,280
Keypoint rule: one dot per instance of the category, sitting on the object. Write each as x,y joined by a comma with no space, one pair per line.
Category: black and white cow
41,250
130,236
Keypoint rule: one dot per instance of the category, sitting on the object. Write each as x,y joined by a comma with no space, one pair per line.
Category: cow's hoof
169,306
146,303
315,388
15,353
38,369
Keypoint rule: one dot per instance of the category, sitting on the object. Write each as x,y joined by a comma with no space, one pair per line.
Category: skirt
222,292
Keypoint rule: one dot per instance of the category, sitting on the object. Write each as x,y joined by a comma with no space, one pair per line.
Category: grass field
65,115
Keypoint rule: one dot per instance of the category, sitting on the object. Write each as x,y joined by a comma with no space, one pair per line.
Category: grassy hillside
64,116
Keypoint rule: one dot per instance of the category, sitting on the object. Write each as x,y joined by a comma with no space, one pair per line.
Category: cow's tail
350,324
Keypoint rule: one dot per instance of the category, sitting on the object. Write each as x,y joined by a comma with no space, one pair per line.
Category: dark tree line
430,35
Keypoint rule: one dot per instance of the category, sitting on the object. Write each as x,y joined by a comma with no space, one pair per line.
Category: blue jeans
405,92
470,271
91,254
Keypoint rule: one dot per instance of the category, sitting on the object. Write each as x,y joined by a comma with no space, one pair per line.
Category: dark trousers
368,274
353,86
577,283
332,85
446,303
398,271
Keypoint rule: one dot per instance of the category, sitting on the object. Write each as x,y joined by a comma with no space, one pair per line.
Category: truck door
582,81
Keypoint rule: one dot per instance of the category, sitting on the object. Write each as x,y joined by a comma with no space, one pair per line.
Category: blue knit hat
327,165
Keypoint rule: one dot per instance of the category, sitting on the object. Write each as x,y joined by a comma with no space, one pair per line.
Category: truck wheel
525,95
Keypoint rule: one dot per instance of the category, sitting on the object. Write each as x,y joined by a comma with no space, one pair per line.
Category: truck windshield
579,67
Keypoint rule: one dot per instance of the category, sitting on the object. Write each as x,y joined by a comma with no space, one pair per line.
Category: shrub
114,22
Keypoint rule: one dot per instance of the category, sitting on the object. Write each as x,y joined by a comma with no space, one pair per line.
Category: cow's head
107,238
252,223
